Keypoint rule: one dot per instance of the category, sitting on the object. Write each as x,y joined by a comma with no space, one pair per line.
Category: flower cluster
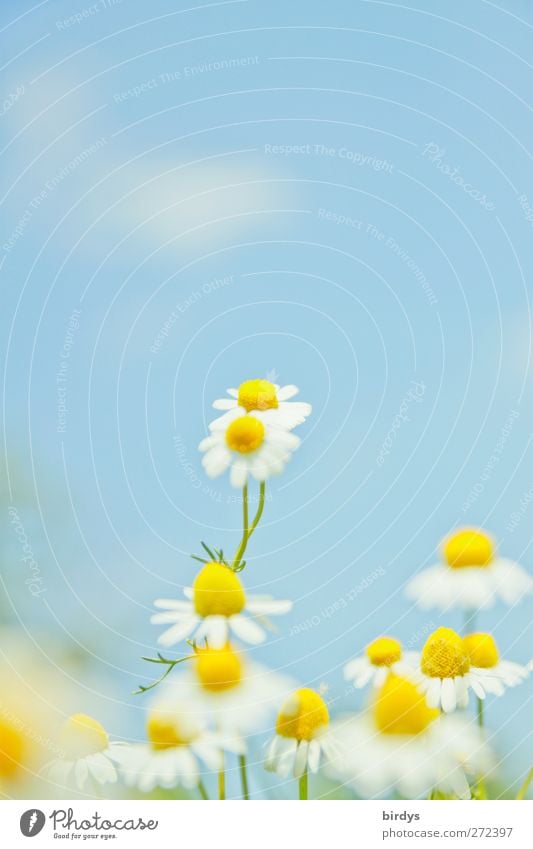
415,736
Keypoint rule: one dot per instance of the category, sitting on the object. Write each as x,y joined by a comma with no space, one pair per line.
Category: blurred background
338,196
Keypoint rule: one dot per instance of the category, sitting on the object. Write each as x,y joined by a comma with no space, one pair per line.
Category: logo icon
32,822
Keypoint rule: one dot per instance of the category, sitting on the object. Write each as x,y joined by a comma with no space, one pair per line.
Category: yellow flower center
444,655
81,735
302,715
469,547
245,434
218,591
12,749
258,395
482,650
218,669
165,732
400,708
384,651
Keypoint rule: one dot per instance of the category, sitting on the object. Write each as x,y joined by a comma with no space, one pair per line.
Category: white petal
81,772
174,604
300,761
101,768
177,632
224,404
263,606
239,473
233,392
313,757
287,392
433,693
215,630
247,630
448,695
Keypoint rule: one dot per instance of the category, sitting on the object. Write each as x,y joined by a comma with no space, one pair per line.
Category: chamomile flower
88,756
247,444
380,657
442,670
470,576
229,692
178,740
488,673
268,398
401,743
216,606
301,735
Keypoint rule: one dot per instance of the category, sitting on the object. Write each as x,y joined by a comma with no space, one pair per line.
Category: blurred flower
267,397
488,673
248,443
381,657
402,743
472,576
217,601
88,755
301,735
177,739
442,670
225,689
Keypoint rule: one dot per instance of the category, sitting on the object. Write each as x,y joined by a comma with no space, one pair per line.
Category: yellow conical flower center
218,669
482,650
165,732
218,591
81,735
469,547
12,749
258,395
444,655
384,651
302,715
400,708
245,434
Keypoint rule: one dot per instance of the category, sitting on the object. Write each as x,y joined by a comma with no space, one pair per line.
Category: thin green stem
222,782
247,530
244,777
525,786
202,791
480,712
303,786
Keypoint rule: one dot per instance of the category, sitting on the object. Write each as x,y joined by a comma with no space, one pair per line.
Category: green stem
221,782
203,791
303,786
247,530
244,777
525,786
480,712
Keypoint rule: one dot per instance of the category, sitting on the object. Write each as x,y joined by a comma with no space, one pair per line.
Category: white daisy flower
471,575
266,397
488,673
247,444
88,756
216,606
178,739
403,744
380,657
230,693
301,735
442,670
